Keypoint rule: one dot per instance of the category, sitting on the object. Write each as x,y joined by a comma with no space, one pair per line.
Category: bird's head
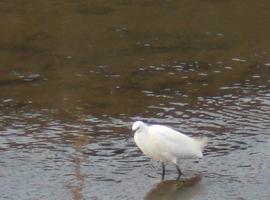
138,125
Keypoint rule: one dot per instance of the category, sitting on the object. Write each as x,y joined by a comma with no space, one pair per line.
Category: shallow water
75,75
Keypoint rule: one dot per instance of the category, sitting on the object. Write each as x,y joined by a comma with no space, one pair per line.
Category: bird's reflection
185,188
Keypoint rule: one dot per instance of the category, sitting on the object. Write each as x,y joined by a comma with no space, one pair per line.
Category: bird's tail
201,142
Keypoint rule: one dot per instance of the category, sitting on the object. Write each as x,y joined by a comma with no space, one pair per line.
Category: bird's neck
143,130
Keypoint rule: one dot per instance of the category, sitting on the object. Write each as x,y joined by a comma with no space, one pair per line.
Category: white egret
164,144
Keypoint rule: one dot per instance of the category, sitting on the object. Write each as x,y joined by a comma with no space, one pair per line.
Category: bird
164,144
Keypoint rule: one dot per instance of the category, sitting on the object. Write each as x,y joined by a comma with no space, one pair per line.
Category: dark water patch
95,10
186,46
22,80
21,48
173,189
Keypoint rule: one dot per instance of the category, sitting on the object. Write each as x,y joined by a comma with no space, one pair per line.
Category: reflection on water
72,83
175,189
77,158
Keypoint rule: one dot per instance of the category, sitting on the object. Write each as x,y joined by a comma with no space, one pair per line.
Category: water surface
75,75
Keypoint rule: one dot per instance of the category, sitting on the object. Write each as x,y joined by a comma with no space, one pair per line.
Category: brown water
76,74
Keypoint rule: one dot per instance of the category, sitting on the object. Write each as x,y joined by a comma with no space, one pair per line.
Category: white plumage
166,145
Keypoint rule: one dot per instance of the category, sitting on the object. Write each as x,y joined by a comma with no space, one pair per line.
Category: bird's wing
173,143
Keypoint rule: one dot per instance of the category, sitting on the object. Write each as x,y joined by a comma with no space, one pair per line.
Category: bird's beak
131,134
134,130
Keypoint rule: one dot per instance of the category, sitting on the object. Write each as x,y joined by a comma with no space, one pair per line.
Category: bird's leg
163,171
179,172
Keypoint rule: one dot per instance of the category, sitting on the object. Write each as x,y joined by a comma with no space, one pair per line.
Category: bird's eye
136,129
